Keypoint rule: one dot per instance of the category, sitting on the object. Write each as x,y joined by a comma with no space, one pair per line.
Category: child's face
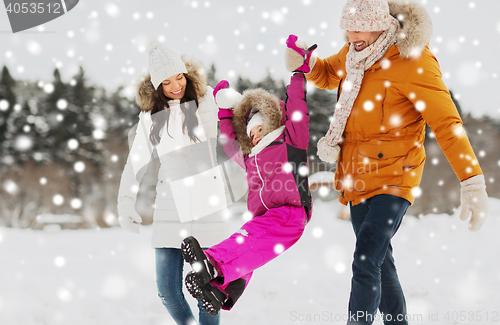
256,134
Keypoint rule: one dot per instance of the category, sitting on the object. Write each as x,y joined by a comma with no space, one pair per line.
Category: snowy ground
450,275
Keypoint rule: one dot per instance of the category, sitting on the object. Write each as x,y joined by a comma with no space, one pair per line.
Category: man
389,86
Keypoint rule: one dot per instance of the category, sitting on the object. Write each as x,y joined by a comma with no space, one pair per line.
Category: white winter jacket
190,193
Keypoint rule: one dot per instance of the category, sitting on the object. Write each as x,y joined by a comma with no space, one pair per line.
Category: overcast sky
109,39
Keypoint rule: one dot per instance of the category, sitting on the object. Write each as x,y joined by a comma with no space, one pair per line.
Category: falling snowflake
58,199
4,105
73,144
368,105
59,261
297,116
279,248
323,191
23,143
79,166
33,47
64,295
317,232
62,104
76,203
48,88
11,187
416,191
303,170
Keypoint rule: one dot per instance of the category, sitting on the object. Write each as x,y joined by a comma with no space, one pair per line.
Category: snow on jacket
277,166
382,151
181,162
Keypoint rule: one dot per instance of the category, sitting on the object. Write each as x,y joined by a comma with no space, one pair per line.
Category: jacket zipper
262,180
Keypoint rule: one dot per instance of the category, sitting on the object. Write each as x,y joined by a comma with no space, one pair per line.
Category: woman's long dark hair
161,112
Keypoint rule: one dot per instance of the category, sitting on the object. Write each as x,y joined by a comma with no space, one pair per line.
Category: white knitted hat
163,63
256,119
365,16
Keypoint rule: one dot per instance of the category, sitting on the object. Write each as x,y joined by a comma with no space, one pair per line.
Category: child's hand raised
298,57
226,97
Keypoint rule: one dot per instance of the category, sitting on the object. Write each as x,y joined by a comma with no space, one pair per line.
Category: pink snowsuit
278,196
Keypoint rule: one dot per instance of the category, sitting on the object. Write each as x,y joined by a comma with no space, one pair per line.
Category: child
274,147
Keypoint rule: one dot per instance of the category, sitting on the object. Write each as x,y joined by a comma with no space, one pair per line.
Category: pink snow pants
259,241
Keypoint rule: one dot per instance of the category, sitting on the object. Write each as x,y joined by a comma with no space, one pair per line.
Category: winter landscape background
67,105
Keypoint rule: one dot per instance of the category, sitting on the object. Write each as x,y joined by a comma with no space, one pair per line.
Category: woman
178,121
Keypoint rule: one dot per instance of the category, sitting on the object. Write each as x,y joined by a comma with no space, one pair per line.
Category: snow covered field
450,275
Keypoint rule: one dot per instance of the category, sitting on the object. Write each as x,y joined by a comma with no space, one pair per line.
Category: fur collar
416,27
145,89
269,105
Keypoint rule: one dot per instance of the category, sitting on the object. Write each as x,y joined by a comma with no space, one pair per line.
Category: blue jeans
375,283
169,279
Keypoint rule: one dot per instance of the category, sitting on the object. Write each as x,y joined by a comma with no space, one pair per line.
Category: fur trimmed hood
260,100
416,27
145,89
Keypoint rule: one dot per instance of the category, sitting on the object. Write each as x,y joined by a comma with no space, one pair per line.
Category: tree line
64,146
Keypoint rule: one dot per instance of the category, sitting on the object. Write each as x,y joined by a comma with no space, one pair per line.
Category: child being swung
273,137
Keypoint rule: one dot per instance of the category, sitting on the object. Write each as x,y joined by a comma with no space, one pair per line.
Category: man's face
362,40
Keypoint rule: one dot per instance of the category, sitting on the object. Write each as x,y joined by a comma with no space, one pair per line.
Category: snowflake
59,261
368,105
33,47
23,143
76,203
64,295
4,105
73,144
279,248
297,116
416,191
79,166
340,267
317,232
48,88
62,104
58,199
11,187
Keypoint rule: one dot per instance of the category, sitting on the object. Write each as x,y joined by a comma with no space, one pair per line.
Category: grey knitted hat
163,63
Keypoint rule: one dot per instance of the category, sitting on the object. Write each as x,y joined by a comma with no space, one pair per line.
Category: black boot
192,253
211,297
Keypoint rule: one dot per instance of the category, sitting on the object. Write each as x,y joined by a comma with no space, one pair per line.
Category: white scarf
356,65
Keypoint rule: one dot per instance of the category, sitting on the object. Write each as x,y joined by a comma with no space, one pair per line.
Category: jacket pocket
380,165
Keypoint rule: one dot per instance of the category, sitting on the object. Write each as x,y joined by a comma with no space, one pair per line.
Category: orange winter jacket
382,151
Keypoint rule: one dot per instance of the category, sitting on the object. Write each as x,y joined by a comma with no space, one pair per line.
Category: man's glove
474,201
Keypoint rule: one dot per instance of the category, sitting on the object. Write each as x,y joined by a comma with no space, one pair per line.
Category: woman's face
175,86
